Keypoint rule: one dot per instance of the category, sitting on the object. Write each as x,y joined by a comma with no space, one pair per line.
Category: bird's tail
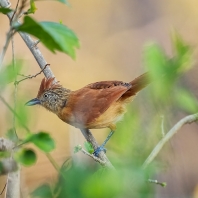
137,84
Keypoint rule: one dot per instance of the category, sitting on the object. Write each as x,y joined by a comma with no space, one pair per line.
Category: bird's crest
47,84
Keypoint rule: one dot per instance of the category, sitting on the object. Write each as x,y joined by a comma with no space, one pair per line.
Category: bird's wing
90,102
108,84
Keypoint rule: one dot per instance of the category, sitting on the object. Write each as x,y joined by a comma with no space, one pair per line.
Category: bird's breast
110,117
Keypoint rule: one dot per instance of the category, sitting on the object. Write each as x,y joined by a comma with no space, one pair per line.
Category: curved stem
186,120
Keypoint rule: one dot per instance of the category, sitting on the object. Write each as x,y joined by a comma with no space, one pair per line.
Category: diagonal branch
186,120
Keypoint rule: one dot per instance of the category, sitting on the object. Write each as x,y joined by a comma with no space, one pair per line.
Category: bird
95,106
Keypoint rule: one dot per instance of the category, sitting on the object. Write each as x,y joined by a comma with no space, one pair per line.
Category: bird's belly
110,117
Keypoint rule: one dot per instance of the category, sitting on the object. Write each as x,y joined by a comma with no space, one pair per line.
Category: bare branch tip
35,44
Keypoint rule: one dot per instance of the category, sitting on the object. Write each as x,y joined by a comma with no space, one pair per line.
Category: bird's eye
45,95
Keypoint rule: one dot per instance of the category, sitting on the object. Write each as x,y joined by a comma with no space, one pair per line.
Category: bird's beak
33,102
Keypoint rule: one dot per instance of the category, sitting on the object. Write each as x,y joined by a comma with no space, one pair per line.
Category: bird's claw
98,150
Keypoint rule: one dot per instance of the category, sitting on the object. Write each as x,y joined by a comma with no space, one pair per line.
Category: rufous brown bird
97,105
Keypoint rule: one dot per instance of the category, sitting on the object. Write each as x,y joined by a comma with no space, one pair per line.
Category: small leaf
5,10
77,148
163,184
26,157
42,140
32,9
55,36
43,191
89,147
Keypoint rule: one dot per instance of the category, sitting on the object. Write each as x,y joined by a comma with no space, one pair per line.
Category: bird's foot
98,150
102,147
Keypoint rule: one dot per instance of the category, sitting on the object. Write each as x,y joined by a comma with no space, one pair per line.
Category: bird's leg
102,147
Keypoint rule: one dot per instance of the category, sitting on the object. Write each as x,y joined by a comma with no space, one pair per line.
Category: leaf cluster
166,72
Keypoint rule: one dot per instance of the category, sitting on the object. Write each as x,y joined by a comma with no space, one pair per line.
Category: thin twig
186,120
93,157
3,189
12,110
162,125
11,31
163,184
15,11
31,76
20,10
15,86
5,47
53,162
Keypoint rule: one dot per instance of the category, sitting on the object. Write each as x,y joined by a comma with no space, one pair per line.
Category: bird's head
51,95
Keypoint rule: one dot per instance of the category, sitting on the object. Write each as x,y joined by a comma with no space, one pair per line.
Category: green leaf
77,148
32,8
5,10
26,157
163,184
89,147
62,35
42,140
43,191
160,70
55,36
